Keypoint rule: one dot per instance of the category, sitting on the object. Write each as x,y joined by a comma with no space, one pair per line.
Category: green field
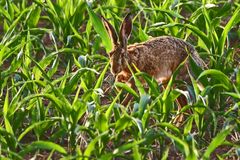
59,100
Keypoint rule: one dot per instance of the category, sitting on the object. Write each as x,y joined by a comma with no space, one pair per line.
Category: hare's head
118,55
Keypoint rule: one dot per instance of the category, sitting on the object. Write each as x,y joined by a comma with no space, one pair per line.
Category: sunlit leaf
217,141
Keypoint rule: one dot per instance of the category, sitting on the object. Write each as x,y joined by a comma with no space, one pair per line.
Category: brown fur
159,57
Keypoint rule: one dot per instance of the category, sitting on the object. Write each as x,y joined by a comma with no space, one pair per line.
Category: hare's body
159,57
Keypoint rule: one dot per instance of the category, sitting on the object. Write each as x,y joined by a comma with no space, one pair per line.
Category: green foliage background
59,100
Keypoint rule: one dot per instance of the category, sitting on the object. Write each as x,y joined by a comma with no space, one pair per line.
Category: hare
158,57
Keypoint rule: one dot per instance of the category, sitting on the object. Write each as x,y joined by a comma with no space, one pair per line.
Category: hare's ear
125,30
111,31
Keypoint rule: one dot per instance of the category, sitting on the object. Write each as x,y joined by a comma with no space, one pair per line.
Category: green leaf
234,20
101,122
34,16
73,82
9,152
217,141
238,79
136,152
27,50
127,88
188,125
138,83
6,104
169,12
170,82
142,34
171,127
57,101
13,25
101,77
5,13
199,33
5,115
218,75
43,145
91,145
151,82
119,4
167,90
183,146
144,100
126,147
79,109
31,127
38,70
139,125
100,29
122,123
99,82
165,153
232,94
108,112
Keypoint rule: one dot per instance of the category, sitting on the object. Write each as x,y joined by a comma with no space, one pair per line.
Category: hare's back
160,56
169,46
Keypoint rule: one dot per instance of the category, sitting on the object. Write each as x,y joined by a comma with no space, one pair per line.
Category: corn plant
58,99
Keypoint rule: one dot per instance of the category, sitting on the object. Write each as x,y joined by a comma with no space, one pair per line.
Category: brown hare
158,57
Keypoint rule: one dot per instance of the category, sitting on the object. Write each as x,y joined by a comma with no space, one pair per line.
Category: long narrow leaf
234,20
98,26
217,141
43,145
